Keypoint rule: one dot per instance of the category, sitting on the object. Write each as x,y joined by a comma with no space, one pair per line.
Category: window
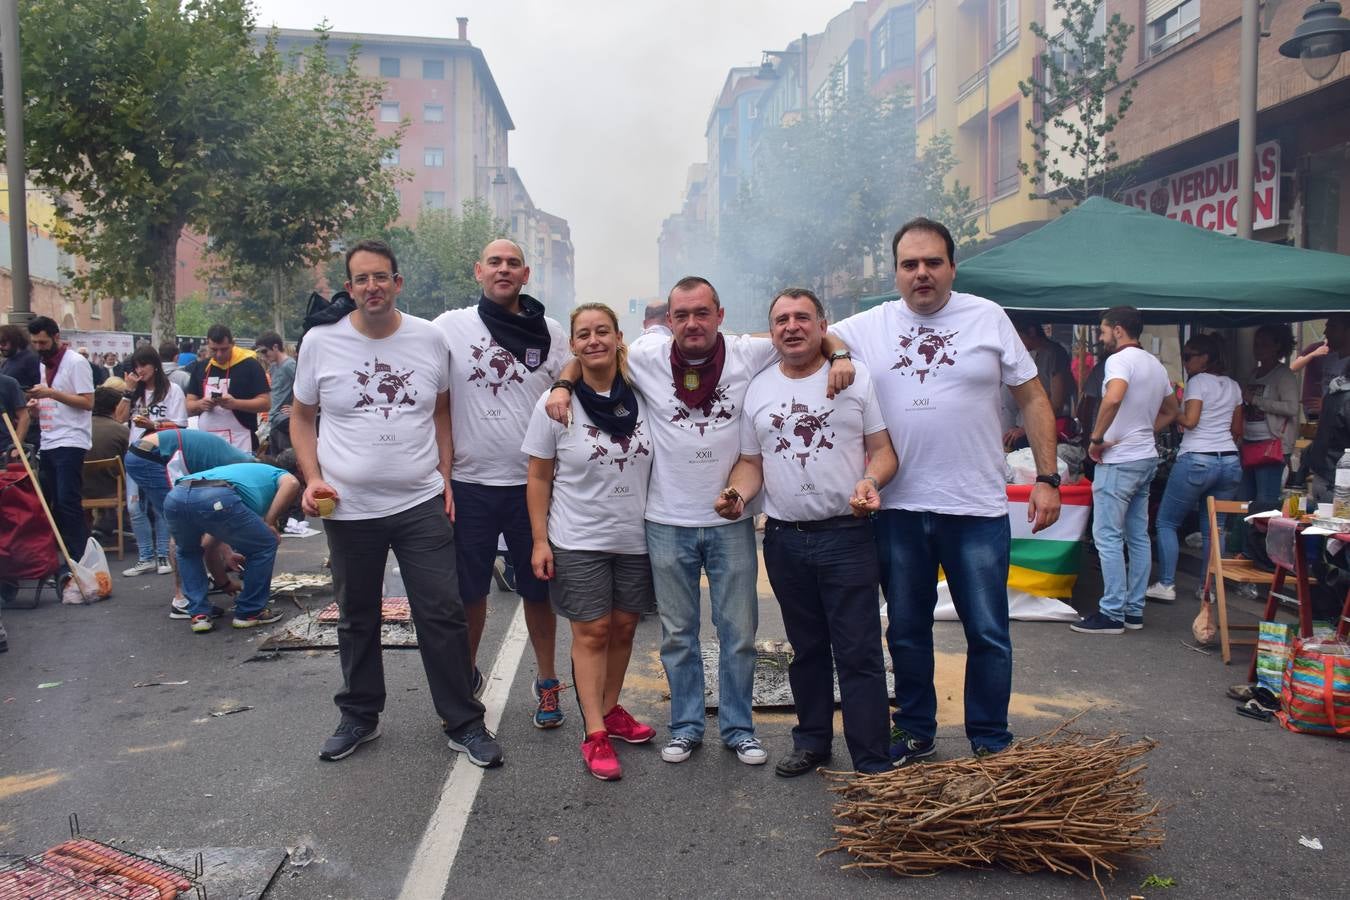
1007,136
433,69
1006,26
893,41
389,66
433,112
1068,57
433,157
389,111
390,158
927,80
433,199
1170,22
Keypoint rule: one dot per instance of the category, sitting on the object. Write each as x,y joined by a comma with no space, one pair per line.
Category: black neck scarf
524,336
616,414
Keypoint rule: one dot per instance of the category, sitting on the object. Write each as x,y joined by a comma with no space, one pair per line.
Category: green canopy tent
1104,254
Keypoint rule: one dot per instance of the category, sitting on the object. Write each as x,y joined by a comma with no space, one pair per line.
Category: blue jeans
196,511
727,554
1120,520
826,585
1194,477
1263,483
151,484
973,552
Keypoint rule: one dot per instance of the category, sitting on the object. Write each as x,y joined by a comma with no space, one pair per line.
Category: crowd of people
620,475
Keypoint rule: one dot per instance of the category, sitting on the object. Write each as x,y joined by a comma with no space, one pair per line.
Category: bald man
504,354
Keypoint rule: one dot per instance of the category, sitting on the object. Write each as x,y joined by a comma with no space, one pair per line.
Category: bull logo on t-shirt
617,449
718,408
495,367
924,351
382,388
803,433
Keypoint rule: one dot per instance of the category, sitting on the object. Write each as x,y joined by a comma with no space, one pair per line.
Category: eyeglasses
380,279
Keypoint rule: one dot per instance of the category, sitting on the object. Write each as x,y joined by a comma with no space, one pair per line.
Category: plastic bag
1316,695
1204,629
92,580
1021,467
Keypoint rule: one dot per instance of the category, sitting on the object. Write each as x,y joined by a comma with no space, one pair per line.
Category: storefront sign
1206,195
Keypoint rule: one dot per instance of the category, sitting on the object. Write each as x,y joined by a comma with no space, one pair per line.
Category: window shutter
1156,9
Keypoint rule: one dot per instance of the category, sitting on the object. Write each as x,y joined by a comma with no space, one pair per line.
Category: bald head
501,272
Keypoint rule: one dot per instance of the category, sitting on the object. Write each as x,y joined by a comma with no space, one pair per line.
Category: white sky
609,98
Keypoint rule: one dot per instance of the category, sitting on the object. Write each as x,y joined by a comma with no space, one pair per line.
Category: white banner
101,342
1207,195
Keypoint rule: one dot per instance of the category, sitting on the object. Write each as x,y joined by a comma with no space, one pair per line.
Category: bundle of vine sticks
1062,802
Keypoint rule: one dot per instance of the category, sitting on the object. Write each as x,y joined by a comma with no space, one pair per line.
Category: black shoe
346,739
181,612
479,745
799,762
479,683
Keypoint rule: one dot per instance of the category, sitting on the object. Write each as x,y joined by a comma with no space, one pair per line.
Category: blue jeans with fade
1120,521
1194,477
196,511
973,553
151,484
727,554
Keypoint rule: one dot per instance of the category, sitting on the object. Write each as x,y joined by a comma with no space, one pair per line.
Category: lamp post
1318,42
21,309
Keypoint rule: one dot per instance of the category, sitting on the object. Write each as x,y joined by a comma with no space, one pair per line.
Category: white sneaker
162,566
751,752
679,749
141,568
1160,591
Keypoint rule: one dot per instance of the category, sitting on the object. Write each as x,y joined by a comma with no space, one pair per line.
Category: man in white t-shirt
1135,391
694,383
382,460
65,408
504,355
938,360
822,463
654,319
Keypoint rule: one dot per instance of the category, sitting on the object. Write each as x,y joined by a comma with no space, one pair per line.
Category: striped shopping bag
1316,695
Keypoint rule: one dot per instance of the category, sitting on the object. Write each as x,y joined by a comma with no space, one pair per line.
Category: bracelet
566,385
1096,440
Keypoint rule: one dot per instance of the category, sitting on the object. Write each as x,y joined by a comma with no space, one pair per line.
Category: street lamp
1319,40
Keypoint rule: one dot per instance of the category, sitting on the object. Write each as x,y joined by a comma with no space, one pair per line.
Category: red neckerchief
695,384
53,364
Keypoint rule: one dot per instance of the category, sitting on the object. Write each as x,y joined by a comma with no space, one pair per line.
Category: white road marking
436,852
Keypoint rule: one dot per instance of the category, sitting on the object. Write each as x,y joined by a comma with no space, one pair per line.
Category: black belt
1214,452
208,483
819,524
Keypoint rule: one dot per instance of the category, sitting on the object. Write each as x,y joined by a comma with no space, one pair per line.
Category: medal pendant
691,379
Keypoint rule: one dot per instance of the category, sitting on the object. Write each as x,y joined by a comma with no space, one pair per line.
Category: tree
135,115
952,206
317,164
1076,157
195,314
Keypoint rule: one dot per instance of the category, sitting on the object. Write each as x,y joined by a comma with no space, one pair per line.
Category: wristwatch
1052,480
565,385
840,354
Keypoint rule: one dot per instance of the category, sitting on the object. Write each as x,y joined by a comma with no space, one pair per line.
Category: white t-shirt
492,395
62,425
1219,395
173,407
938,380
1131,431
812,447
600,484
377,399
695,449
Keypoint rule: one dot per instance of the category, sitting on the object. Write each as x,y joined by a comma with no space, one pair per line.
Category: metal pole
805,94
11,69
1246,180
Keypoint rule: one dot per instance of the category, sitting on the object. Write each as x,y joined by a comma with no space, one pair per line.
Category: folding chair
110,466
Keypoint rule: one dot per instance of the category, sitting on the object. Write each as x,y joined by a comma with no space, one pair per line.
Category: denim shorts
589,584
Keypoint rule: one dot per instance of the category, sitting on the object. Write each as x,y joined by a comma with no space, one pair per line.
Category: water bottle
1340,499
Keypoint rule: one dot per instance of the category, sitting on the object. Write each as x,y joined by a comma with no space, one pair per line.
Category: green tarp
1104,254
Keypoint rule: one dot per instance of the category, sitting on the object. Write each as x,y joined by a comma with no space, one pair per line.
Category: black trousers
423,543
278,442
826,583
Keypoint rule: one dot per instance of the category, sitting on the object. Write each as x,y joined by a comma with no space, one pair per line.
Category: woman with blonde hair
587,496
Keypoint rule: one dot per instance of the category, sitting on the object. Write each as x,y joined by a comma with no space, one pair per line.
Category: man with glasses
381,468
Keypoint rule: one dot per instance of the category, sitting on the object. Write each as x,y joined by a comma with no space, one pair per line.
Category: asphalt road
151,768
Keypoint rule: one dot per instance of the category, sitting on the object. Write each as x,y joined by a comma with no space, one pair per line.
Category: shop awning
1105,254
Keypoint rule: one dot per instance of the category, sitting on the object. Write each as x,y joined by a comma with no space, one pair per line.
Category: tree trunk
277,319
164,287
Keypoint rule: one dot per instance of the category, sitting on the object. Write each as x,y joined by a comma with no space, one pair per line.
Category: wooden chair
1244,571
100,467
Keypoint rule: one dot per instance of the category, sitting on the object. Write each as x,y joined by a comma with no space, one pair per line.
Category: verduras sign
1207,195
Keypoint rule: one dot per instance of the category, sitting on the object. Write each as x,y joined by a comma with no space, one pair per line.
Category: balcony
1004,42
972,83
971,106
1006,185
927,107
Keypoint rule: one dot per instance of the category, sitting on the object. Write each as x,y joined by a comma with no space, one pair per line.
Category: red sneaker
623,726
598,754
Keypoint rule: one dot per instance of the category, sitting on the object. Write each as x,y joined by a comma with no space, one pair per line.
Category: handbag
1269,452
